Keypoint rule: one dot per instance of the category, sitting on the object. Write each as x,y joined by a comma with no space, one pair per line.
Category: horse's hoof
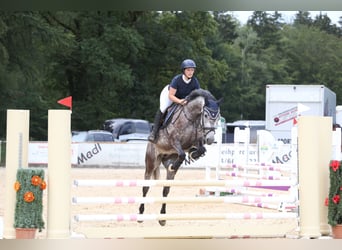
140,221
170,168
162,222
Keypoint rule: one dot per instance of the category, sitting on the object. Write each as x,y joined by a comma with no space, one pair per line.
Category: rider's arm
172,96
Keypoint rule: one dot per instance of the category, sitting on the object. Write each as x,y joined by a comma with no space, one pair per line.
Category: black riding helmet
188,63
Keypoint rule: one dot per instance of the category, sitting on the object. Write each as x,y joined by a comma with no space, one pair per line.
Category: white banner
132,154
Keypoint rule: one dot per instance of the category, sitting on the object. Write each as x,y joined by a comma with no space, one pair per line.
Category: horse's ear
219,101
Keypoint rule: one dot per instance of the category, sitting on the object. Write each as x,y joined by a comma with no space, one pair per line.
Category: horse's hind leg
145,189
151,168
169,176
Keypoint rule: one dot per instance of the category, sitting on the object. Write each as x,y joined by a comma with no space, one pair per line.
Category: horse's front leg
181,157
170,175
198,151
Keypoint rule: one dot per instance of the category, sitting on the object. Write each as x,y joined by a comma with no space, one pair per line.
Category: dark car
124,129
92,135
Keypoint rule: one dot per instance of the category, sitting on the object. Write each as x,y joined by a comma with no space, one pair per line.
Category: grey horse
190,127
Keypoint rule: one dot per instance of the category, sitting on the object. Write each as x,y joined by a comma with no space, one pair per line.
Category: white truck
284,103
339,115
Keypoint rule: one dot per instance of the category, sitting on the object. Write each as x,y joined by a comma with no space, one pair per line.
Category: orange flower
336,199
36,180
43,185
17,186
334,165
28,196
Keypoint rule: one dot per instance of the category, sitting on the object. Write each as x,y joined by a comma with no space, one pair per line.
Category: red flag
67,101
294,121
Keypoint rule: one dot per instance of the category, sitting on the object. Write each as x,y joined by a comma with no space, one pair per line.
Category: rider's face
189,72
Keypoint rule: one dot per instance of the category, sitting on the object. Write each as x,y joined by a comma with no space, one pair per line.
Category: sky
289,16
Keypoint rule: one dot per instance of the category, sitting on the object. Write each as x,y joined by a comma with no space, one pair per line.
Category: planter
28,214
25,233
337,231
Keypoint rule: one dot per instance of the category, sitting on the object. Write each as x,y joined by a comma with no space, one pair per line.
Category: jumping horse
191,126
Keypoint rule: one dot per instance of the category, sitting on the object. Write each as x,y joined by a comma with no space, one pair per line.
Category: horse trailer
284,103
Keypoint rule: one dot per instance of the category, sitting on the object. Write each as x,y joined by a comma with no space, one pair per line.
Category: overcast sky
289,16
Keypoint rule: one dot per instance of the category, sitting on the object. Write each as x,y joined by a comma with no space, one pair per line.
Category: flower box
29,187
334,201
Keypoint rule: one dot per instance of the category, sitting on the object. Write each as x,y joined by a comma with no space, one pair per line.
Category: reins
197,122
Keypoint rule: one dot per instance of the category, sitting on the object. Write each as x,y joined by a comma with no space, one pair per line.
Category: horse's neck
194,109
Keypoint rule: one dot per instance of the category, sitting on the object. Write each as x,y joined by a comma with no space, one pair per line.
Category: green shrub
29,186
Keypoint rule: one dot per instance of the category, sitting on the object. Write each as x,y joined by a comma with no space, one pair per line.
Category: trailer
284,103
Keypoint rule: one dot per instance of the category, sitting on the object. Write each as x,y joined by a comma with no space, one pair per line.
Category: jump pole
183,183
151,200
184,216
59,175
314,154
17,139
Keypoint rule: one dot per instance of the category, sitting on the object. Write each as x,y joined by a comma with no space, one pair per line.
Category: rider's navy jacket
183,88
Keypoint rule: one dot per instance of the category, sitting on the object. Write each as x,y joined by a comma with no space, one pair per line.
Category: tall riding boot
157,122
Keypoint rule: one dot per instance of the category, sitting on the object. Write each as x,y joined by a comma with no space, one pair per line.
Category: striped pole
280,207
242,191
142,183
138,200
266,167
259,176
186,216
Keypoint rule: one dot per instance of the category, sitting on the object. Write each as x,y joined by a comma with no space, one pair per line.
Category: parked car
124,129
92,135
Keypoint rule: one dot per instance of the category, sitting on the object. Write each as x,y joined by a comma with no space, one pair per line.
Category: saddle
169,114
211,107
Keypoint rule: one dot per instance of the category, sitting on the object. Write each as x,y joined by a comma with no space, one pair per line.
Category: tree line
115,63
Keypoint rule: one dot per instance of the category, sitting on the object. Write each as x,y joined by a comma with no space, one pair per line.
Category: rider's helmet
188,63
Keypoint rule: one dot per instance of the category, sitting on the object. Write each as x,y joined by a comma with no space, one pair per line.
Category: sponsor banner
285,116
133,154
38,153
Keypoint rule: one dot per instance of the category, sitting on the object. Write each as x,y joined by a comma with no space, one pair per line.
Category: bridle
212,114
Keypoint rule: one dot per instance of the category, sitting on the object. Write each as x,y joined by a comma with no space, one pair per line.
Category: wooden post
59,175
17,138
314,154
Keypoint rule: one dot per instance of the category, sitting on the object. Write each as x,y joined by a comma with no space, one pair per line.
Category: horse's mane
200,92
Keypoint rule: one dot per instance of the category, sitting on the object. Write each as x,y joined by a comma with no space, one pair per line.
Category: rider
180,86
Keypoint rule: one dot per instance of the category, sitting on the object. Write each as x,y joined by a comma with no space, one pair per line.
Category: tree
115,63
313,57
24,38
267,27
303,18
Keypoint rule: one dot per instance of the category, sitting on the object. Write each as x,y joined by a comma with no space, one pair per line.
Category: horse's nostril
210,140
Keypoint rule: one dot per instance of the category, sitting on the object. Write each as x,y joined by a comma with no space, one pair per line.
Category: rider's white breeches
164,100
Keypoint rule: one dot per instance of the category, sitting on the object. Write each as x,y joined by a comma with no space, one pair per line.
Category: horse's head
210,119
210,112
